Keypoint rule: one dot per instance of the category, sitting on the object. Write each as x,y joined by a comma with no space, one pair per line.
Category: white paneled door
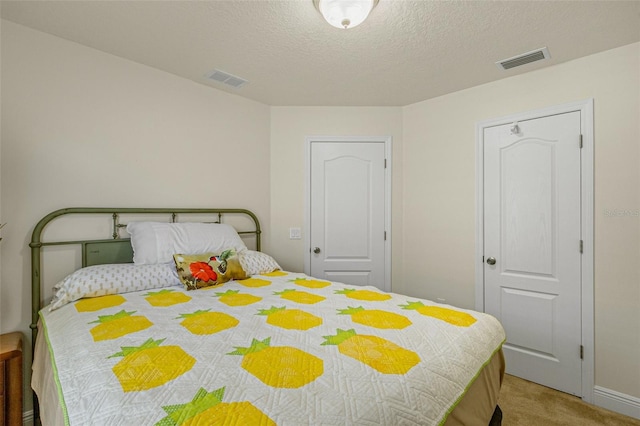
532,246
347,212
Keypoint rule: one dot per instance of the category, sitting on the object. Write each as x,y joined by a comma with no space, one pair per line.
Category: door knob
316,250
491,261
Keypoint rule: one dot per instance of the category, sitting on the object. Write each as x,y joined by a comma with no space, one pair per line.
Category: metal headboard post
37,244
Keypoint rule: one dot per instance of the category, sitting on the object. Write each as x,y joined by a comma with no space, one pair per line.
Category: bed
130,338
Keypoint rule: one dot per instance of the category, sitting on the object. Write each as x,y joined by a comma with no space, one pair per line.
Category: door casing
587,210
386,140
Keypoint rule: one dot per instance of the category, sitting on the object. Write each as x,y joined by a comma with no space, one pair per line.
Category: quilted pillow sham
101,280
257,263
157,242
208,269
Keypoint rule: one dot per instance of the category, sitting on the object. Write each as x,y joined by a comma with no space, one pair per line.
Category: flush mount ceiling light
345,13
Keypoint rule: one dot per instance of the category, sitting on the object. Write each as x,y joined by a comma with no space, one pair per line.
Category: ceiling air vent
525,58
226,78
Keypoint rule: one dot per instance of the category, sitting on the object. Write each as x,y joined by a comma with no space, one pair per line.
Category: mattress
283,349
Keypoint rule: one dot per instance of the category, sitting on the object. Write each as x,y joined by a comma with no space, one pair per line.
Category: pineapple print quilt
276,349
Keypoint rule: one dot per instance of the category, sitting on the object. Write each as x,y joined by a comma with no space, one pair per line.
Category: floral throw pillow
208,269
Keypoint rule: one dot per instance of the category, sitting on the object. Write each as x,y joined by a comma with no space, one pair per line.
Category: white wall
289,127
439,178
0,171
84,128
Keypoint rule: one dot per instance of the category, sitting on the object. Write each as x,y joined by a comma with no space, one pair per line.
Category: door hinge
580,141
385,235
385,163
581,352
581,246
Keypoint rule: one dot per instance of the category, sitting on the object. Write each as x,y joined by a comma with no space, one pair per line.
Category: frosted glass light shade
345,13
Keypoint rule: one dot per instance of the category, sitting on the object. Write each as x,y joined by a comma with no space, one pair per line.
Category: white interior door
532,246
347,212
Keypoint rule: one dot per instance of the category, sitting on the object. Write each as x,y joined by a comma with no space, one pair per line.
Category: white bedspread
322,360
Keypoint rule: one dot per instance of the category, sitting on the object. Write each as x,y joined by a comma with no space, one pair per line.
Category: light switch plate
295,234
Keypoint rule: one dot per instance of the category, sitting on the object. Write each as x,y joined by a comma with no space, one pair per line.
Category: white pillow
100,280
157,242
257,263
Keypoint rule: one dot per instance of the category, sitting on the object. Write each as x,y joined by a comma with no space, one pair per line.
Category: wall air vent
226,78
525,58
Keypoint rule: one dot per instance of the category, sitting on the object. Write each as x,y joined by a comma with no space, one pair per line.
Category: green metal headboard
110,250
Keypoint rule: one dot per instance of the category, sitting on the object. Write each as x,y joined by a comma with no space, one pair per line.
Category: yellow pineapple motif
299,296
461,319
235,298
376,352
279,366
96,303
254,282
275,274
309,283
371,296
291,319
118,325
150,365
376,318
207,408
166,297
204,322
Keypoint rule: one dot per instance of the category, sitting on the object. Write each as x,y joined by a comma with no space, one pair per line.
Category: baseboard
27,418
616,401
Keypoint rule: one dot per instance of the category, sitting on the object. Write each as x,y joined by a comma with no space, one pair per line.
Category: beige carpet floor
528,404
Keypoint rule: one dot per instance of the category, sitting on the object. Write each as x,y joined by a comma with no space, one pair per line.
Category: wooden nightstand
11,379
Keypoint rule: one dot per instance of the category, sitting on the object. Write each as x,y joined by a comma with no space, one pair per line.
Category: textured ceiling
407,51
